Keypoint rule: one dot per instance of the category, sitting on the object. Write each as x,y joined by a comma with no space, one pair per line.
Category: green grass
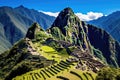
51,54
44,72
52,73
47,49
61,68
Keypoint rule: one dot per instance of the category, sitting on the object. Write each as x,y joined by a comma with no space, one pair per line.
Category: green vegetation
62,70
19,69
74,73
68,28
47,49
19,60
56,33
51,53
63,78
108,74
36,32
106,44
84,74
98,54
47,72
9,59
90,75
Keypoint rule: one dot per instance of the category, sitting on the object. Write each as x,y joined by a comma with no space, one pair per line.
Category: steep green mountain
101,40
110,23
21,58
14,23
69,28
69,50
40,52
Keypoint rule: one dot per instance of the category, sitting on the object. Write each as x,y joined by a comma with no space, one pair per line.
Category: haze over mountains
110,23
14,23
68,46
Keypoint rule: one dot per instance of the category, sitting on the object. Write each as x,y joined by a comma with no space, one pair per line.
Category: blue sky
84,6
79,6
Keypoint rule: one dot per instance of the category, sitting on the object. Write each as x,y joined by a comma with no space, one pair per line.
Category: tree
108,74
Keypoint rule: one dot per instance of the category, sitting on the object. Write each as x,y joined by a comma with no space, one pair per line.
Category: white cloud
55,14
84,17
89,16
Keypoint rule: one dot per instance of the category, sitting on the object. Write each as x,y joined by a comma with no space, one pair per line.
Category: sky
83,8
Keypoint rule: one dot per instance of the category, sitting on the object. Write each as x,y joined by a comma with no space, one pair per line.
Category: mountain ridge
15,24
109,23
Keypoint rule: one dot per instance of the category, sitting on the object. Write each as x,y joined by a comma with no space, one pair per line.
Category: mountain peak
5,8
33,30
67,10
68,27
21,6
65,17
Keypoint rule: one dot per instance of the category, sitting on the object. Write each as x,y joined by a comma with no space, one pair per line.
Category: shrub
108,74
18,70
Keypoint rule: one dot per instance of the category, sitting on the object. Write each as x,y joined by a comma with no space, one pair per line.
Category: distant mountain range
14,23
110,23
